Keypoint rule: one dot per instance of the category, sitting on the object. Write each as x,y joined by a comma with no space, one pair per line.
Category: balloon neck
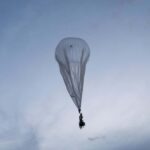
79,110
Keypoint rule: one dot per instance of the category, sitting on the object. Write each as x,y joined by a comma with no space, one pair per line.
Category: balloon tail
81,122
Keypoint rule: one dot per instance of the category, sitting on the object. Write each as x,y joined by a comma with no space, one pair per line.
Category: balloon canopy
72,55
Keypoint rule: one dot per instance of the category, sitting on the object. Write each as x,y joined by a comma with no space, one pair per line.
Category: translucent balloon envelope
72,55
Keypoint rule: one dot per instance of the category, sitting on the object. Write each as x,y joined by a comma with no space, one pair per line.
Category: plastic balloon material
72,55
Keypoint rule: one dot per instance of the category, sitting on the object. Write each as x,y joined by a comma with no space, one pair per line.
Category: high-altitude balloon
72,55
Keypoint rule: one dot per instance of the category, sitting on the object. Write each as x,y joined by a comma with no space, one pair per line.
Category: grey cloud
97,138
143,144
30,142
133,139
15,134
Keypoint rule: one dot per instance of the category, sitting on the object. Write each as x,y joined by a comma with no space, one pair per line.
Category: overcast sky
37,113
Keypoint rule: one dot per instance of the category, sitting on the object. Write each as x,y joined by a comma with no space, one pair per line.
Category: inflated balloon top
76,49
72,55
